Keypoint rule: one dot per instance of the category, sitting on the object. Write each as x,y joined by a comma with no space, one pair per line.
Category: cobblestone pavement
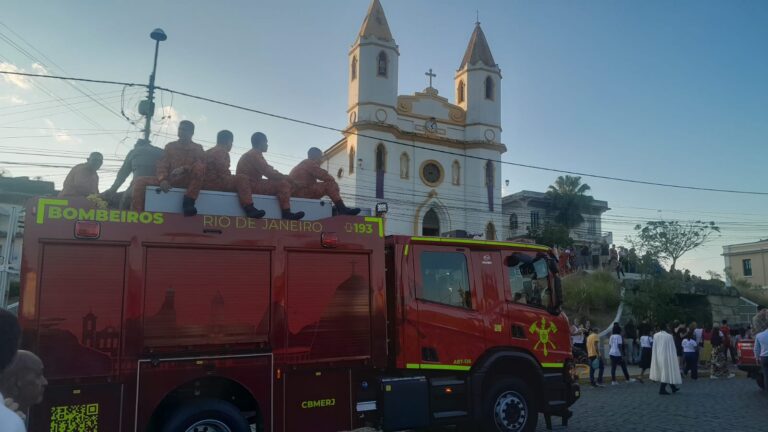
724,405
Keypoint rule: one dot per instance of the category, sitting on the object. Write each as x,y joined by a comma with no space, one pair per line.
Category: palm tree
569,200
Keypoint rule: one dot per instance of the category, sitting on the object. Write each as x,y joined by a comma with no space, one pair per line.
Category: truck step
448,414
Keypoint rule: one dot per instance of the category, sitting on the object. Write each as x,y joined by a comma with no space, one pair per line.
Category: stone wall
737,310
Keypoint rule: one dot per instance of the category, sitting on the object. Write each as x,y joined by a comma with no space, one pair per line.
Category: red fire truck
159,322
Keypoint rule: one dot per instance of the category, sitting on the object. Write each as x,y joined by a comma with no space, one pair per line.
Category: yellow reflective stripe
406,250
479,242
378,221
552,365
436,366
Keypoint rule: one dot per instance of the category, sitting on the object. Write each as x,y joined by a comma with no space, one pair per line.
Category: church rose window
431,173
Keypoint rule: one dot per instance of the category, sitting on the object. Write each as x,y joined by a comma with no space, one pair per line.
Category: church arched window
489,88
353,71
382,64
456,173
460,92
490,231
513,222
351,159
381,158
405,165
489,174
381,168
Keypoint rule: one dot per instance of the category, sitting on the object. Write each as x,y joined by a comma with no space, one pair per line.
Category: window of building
513,222
489,88
535,220
382,64
456,173
445,278
591,226
430,225
460,92
405,165
353,72
490,231
340,173
381,158
489,174
747,267
528,280
351,159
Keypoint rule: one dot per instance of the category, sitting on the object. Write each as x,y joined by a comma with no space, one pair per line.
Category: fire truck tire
510,407
210,415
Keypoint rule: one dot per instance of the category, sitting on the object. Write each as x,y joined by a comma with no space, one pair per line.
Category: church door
430,225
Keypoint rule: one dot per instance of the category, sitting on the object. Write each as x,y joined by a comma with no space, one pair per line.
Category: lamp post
148,108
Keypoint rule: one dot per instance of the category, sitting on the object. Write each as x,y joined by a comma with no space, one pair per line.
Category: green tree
670,240
655,299
551,234
569,200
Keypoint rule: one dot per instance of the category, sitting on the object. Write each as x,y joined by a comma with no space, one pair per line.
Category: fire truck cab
154,321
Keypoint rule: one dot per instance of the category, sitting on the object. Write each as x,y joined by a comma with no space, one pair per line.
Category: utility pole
147,107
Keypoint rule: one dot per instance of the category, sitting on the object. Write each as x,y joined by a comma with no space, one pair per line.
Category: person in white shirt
690,347
577,335
646,345
10,333
761,354
615,353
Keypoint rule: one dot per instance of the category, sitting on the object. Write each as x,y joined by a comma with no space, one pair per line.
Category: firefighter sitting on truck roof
253,166
219,177
141,162
182,166
313,182
82,179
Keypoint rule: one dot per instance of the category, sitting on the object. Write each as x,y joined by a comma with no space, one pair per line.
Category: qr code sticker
75,418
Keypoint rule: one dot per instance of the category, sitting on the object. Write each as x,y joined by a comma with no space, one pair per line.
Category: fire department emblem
543,330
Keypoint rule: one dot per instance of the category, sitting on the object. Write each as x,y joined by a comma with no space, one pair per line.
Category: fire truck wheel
206,415
510,407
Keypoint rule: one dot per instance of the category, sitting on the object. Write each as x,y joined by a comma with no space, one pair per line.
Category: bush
656,299
586,294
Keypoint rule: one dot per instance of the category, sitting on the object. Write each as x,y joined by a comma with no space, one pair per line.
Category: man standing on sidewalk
761,355
595,359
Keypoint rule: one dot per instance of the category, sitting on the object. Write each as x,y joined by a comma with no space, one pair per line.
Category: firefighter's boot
253,212
342,210
188,205
288,215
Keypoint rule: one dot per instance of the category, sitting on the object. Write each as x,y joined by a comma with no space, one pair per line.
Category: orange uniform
253,165
311,181
82,180
218,177
177,155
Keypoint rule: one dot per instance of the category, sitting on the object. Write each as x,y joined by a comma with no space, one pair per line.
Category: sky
669,92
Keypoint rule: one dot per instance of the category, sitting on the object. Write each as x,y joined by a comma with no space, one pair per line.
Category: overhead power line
335,129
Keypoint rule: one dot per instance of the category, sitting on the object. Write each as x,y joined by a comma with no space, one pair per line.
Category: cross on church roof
430,75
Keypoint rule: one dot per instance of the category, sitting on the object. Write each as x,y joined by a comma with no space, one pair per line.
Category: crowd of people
597,256
669,352
185,164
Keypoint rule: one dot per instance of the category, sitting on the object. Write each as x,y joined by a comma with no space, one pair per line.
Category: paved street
733,405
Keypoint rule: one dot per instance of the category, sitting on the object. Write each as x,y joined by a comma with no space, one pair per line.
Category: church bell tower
372,71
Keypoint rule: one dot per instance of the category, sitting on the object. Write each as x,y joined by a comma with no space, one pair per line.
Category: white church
435,161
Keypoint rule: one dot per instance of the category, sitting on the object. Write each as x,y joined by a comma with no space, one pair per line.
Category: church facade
435,161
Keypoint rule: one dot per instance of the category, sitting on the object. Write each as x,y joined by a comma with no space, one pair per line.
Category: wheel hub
209,425
510,412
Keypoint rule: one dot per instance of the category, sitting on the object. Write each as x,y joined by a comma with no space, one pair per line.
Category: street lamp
147,107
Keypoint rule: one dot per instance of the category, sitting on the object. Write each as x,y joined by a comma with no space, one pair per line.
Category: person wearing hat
182,166
311,181
253,165
140,162
83,180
